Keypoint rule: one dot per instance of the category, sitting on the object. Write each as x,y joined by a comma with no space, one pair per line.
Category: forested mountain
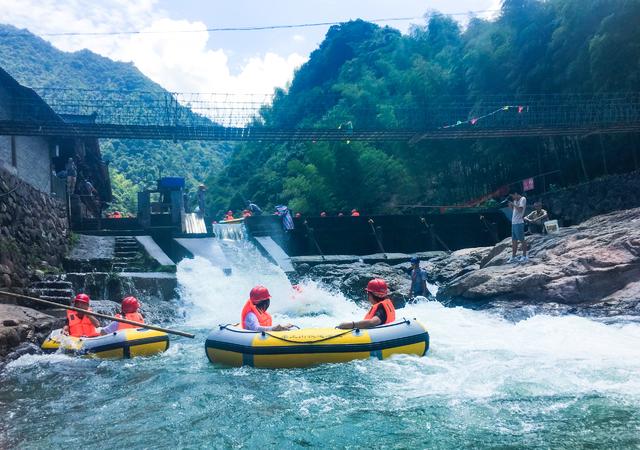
36,63
553,46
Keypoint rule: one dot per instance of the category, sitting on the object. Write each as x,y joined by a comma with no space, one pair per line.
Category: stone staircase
128,256
53,290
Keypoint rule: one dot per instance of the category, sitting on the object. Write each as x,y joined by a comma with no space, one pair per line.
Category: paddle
102,316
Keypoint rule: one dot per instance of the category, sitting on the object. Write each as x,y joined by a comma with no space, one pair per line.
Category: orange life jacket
264,318
228,217
136,317
80,327
388,308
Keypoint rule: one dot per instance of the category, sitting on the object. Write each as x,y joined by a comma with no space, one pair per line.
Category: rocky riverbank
596,262
106,268
584,268
23,329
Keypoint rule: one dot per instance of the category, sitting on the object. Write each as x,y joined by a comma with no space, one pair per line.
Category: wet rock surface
23,328
93,247
351,279
596,262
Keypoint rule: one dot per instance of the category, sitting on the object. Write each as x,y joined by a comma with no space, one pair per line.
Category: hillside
533,47
36,63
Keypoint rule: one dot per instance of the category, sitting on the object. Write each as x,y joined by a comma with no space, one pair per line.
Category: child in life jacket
79,324
382,310
130,306
254,315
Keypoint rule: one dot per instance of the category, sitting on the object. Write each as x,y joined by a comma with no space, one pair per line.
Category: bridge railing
116,113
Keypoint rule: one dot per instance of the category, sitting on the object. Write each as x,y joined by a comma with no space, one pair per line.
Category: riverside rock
19,324
351,279
594,262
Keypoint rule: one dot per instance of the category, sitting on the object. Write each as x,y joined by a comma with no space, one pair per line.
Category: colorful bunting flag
528,184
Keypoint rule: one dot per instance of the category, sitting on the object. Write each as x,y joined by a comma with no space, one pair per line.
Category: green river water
539,382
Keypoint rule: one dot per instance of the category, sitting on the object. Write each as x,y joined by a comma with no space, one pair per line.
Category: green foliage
36,63
371,77
125,193
74,238
374,77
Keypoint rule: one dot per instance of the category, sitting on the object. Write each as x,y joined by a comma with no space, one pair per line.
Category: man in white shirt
518,204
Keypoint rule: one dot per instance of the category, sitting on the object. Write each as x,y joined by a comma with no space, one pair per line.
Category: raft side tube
127,343
229,345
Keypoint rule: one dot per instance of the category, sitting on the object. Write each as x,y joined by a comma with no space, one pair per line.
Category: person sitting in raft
254,315
78,324
129,308
382,310
229,215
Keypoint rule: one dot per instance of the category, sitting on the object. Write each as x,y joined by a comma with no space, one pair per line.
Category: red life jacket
228,217
264,318
388,308
136,317
80,327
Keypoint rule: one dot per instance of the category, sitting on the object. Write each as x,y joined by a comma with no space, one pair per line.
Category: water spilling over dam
486,380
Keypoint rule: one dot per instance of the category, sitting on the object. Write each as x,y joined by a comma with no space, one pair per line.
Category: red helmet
229,212
82,298
378,287
258,294
130,305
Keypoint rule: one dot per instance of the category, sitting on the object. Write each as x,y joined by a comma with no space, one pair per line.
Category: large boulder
351,279
598,260
19,324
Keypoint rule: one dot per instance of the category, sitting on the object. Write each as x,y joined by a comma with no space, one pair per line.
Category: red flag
528,184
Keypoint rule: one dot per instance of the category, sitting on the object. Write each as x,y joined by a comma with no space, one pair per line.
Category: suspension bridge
236,117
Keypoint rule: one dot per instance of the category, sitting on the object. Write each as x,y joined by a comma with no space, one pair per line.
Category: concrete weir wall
33,231
395,234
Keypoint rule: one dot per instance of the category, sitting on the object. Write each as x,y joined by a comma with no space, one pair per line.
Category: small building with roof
40,160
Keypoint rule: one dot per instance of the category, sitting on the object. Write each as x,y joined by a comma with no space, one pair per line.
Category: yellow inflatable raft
126,343
240,220
233,346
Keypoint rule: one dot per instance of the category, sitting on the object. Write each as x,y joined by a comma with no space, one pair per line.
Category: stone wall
33,160
33,231
579,203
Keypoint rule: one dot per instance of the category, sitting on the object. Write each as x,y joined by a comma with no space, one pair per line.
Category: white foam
474,354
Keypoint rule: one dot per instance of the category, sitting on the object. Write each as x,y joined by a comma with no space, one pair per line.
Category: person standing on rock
382,310
418,279
518,204
79,324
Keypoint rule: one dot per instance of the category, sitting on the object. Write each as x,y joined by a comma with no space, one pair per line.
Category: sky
247,62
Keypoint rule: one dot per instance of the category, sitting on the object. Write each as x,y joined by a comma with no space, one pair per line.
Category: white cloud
177,61
298,38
